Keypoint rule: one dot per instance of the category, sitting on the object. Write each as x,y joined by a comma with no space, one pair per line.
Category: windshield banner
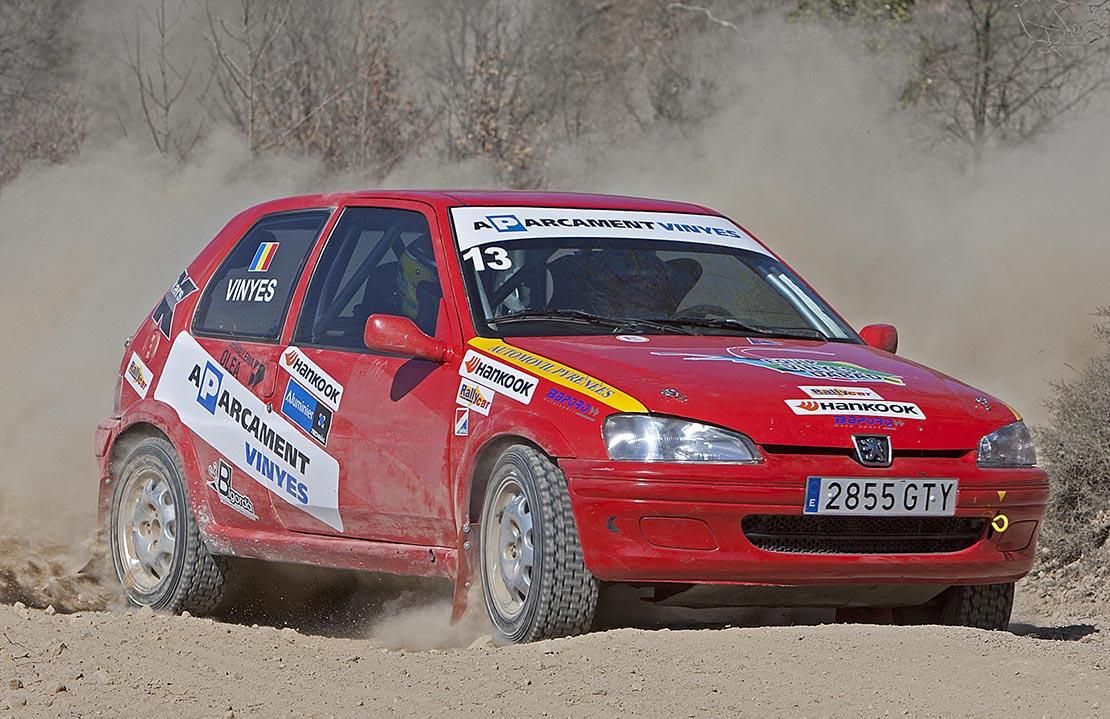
485,225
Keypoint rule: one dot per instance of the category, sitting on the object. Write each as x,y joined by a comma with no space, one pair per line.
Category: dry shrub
1075,449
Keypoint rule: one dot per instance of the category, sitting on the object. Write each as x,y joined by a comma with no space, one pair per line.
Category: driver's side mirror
882,337
400,335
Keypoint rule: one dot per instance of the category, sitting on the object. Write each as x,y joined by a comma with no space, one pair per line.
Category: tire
155,545
984,606
534,580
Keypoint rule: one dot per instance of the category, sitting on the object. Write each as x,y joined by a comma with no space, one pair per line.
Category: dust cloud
991,276
85,252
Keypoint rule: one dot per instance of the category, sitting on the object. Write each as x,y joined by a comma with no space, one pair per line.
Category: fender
510,422
507,423
164,418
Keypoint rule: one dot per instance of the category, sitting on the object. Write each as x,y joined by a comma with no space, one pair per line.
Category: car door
387,419
237,327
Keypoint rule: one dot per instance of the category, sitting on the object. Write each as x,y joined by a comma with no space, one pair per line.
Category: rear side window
248,296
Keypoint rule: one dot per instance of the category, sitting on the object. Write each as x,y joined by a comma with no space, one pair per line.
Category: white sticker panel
498,376
308,373
484,225
903,410
224,413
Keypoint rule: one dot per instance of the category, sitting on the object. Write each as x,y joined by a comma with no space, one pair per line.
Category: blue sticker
506,223
308,413
209,391
813,495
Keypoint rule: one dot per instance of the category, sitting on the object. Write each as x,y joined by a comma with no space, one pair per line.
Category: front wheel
984,606
534,579
156,548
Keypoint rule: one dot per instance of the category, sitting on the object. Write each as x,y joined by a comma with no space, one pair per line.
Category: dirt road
141,664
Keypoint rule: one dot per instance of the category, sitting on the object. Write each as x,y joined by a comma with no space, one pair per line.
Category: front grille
808,534
896,452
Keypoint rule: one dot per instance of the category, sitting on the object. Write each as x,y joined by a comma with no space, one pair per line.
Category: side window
248,295
377,261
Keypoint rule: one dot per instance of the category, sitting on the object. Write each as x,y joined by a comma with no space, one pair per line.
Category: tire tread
567,592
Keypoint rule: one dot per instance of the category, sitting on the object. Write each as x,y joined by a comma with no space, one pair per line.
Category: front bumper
682,523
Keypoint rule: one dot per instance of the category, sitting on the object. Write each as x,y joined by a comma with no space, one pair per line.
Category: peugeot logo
872,450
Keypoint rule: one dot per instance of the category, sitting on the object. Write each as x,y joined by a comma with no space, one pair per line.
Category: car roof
524,198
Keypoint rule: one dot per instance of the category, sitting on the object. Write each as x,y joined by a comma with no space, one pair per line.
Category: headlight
647,438
1011,446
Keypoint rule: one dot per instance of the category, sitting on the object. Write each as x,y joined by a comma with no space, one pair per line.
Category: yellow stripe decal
560,374
1017,416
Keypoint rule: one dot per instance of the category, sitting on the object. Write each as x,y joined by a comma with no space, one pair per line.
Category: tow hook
1000,523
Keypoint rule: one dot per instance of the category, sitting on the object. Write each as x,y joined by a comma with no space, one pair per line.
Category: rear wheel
534,579
155,544
985,606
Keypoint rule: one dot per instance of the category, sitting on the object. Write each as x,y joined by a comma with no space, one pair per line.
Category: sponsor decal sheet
235,422
138,375
483,225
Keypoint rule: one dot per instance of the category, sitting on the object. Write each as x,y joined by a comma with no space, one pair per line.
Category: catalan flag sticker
263,257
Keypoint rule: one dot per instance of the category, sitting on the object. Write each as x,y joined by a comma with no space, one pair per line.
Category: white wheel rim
147,530
508,549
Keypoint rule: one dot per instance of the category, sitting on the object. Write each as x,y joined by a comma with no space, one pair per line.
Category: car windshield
656,280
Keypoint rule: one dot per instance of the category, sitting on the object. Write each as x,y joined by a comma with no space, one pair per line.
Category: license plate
881,497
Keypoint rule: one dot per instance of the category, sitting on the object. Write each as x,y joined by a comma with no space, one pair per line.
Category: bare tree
170,116
296,75
41,114
1065,23
241,37
985,83
484,82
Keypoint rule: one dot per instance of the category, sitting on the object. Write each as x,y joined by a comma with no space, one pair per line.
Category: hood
785,392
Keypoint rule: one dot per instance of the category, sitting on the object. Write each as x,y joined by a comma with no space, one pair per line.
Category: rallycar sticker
474,396
831,370
481,225
212,403
498,376
319,382
221,475
163,313
841,392
138,375
906,410
561,374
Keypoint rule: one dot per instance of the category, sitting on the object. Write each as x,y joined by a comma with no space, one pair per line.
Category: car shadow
1069,633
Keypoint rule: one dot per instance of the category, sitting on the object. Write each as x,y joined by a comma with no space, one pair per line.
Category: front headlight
1011,446
647,438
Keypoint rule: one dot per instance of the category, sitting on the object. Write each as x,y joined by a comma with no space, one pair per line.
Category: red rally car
543,392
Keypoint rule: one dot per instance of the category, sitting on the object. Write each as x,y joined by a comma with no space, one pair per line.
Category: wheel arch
150,418
493,436
483,467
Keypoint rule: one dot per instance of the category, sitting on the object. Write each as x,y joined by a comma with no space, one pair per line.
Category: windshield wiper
579,317
728,323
